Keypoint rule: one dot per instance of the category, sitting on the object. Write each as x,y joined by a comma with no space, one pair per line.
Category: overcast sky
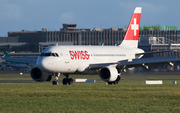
17,15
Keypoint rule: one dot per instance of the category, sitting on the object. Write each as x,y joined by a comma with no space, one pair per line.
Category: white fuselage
69,59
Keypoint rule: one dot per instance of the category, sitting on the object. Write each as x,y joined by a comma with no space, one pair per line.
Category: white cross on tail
134,27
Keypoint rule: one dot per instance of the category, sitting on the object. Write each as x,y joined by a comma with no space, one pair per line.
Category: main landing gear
65,81
116,81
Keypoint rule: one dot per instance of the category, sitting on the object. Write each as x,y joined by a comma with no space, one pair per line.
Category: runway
12,72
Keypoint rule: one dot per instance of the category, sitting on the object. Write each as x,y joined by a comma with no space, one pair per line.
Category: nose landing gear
55,82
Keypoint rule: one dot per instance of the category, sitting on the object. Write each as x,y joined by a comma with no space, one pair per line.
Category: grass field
19,93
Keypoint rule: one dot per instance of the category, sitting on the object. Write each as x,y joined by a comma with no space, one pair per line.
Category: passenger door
66,55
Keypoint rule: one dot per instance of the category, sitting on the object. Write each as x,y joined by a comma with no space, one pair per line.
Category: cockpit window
49,54
57,55
52,54
42,54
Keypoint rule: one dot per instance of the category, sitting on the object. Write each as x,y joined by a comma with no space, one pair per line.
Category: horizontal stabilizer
152,52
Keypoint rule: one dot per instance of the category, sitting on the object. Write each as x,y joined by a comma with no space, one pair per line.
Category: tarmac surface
12,72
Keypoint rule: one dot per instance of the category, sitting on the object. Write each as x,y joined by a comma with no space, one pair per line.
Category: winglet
132,34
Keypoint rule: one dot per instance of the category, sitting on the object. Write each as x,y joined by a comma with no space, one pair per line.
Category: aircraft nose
43,64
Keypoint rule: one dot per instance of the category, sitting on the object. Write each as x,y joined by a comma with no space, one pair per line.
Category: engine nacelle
38,75
108,74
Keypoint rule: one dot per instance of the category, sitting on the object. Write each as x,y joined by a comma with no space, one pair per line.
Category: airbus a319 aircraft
108,61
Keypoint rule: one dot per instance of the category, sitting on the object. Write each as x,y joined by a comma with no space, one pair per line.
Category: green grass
18,93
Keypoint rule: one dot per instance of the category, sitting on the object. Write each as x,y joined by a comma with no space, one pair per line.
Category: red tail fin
132,33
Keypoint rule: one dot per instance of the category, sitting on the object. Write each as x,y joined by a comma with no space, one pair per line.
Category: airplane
13,63
16,64
108,61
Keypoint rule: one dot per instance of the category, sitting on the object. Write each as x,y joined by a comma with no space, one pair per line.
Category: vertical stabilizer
6,54
132,34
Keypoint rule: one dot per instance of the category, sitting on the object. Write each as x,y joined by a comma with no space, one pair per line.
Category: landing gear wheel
55,83
65,81
117,80
109,83
70,81
49,78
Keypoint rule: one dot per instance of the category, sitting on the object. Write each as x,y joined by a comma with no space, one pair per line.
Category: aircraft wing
149,61
139,62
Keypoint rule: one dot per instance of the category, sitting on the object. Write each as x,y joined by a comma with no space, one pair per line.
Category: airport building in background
151,39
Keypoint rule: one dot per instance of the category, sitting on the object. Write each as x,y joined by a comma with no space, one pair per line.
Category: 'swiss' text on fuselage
79,55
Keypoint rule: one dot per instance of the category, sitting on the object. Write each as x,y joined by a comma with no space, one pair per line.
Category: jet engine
39,76
108,74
